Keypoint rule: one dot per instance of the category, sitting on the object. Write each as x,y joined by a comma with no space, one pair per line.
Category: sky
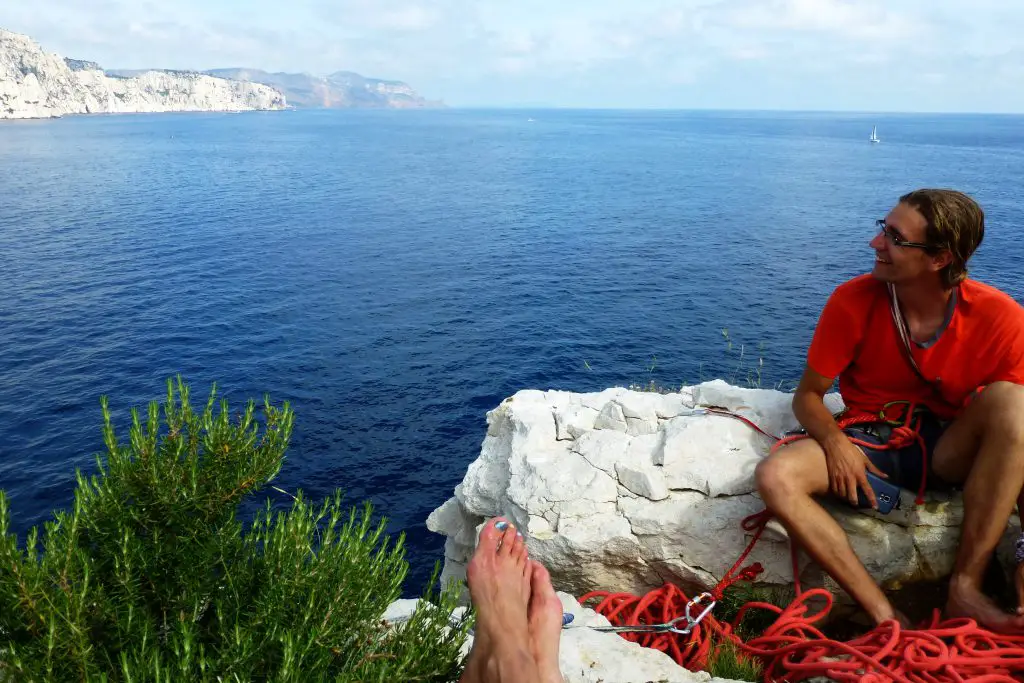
834,55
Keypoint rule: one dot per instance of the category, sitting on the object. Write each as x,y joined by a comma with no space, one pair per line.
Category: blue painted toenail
567,618
501,526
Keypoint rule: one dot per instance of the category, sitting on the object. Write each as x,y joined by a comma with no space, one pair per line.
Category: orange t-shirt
856,339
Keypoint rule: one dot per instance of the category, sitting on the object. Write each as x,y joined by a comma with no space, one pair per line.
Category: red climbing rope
793,648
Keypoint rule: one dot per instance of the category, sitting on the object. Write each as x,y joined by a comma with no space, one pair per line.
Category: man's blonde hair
954,222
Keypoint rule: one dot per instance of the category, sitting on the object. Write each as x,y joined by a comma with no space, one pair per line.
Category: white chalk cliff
36,84
623,490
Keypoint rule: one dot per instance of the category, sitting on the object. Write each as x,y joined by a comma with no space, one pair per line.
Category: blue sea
395,275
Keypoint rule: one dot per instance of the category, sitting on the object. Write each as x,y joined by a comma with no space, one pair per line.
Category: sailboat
874,134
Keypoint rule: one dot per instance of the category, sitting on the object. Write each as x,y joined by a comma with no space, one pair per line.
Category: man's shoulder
985,297
991,309
860,288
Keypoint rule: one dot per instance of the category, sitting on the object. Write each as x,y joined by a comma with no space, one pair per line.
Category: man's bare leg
499,583
787,482
984,448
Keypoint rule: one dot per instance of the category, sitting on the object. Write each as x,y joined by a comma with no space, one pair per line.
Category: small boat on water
874,134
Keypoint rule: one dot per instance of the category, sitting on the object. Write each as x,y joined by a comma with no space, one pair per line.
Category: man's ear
942,259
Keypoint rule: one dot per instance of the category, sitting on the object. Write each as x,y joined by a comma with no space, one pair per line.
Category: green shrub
150,576
728,662
755,620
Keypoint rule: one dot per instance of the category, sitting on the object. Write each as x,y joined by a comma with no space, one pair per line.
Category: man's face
902,263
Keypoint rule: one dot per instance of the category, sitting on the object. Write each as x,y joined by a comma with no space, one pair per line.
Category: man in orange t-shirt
913,335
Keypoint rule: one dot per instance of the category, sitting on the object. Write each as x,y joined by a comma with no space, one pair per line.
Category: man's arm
809,408
847,464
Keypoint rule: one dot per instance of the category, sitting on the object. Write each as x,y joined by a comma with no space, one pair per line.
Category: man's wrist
835,439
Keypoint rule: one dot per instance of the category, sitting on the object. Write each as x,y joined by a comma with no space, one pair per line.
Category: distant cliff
340,90
35,84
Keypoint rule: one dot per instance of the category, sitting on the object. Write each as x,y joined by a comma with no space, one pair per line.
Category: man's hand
847,470
847,464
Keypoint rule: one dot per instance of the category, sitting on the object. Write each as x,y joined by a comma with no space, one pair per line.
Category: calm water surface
394,275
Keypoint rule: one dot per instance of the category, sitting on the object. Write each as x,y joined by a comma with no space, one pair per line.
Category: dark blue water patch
395,275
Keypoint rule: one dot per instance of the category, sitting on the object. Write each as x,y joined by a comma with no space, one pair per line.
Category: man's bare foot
902,620
884,612
545,620
499,584
967,601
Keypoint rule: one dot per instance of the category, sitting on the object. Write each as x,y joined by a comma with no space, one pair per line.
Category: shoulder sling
904,334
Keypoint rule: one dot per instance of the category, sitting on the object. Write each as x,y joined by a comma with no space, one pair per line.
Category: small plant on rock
726,659
728,662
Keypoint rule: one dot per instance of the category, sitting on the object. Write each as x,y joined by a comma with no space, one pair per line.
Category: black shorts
904,465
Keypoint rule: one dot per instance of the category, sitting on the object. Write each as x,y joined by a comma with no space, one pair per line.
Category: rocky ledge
36,84
624,491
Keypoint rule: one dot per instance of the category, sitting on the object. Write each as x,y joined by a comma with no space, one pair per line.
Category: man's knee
768,477
1002,406
784,475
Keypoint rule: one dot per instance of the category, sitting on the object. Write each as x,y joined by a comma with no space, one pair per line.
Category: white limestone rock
712,454
672,405
643,479
641,412
37,84
611,418
574,421
400,610
608,506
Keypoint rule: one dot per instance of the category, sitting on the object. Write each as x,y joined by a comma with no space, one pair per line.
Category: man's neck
923,301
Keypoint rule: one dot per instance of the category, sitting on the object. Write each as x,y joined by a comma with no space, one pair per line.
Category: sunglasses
896,239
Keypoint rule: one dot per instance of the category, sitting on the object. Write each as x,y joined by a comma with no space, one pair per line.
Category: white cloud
410,18
589,52
837,18
748,53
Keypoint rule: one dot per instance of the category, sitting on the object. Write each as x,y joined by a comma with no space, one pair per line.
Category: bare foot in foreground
966,601
545,621
499,584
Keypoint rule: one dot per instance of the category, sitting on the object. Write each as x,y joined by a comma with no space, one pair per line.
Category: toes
508,541
540,580
519,549
523,566
491,534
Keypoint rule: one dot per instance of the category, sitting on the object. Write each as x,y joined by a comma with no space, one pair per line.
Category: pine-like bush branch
151,576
